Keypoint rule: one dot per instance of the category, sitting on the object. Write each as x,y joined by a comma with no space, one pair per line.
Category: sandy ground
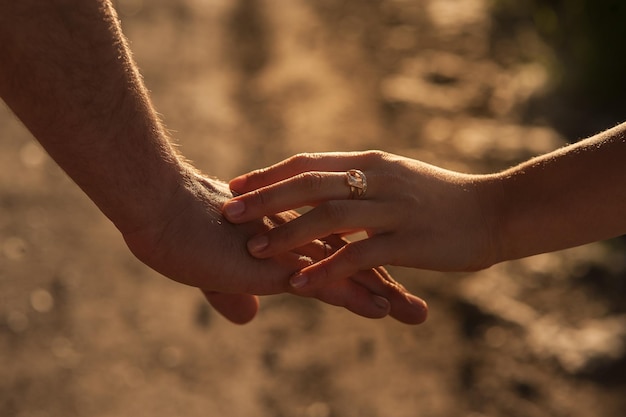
87,330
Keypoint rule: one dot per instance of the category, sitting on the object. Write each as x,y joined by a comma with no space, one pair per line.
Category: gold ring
357,182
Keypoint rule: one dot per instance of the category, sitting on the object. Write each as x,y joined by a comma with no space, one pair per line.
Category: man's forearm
570,197
68,75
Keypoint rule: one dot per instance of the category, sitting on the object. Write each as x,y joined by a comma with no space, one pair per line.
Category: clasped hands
191,242
414,215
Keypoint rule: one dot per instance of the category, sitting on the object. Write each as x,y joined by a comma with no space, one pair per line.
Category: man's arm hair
68,74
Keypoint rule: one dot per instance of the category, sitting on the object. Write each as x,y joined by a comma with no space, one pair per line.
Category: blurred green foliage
588,39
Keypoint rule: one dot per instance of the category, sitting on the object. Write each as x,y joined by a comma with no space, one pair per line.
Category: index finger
305,189
297,164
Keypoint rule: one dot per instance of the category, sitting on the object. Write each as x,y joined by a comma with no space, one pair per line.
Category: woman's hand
414,214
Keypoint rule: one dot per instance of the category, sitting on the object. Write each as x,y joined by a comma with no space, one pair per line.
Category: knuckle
375,156
283,235
335,212
353,254
259,198
258,174
311,180
302,161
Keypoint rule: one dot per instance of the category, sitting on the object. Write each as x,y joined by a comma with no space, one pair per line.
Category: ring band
328,250
357,182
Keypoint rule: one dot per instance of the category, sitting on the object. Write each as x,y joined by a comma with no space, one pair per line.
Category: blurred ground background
472,85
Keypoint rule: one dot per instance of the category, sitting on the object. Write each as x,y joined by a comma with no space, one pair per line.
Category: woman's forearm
566,198
68,75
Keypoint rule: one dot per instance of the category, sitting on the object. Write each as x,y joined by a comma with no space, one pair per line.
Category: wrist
186,187
490,197
141,198
181,184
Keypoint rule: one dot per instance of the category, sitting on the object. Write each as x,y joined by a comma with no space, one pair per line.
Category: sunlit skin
422,216
68,74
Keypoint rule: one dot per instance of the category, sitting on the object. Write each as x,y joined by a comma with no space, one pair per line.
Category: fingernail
238,182
417,303
298,280
381,302
234,208
258,243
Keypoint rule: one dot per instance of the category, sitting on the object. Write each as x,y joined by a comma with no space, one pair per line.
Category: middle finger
333,217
